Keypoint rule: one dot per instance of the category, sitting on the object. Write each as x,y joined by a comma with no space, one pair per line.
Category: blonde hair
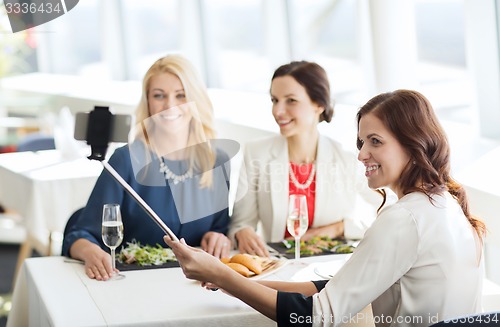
201,129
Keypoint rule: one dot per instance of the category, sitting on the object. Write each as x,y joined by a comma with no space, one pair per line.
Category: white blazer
262,193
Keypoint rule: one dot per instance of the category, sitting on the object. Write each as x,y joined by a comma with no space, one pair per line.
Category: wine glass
297,220
112,231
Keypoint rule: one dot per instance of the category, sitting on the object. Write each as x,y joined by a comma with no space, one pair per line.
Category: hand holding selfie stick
99,128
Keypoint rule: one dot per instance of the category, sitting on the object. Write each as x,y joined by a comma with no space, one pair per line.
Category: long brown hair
410,117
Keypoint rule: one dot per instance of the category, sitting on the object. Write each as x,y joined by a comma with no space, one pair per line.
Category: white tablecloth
51,292
45,189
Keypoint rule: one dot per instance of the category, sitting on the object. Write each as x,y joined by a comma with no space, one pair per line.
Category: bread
239,268
225,260
251,262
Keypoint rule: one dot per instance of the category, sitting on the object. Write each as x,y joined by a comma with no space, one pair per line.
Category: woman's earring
414,162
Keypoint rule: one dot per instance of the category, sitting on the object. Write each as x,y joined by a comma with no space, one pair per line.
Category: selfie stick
98,134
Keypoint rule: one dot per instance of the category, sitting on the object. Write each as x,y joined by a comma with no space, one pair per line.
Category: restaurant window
442,62
151,29
327,32
235,44
70,44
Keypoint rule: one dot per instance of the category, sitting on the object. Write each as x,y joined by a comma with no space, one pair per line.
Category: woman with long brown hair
420,261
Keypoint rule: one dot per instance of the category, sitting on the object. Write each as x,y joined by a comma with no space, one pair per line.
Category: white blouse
418,263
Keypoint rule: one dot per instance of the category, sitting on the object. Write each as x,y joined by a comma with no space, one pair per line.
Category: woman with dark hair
299,161
419,262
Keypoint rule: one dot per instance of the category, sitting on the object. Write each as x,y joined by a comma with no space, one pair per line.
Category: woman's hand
334,230
97,261
217,244
199,265
195,263
249,242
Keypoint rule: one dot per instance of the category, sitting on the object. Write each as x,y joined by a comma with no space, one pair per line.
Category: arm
305,288
333,230
197,264
83,241
97,262
215,241
249,242
246,210
269,298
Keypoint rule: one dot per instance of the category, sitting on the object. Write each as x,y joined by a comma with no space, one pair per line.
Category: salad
318,245
145,255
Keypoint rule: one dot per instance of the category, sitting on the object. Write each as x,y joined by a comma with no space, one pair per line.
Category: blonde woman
172,164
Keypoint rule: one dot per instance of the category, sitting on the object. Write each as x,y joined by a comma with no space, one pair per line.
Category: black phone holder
99,131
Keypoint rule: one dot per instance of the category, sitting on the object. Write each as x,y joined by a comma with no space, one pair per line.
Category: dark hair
314,79
411,118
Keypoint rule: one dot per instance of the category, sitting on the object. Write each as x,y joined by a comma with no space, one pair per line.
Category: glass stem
113,264
297,248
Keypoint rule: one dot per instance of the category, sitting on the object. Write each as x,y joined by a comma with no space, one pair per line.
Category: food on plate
239,268
251,262
319,245
145,255
344,248
225,260
251,265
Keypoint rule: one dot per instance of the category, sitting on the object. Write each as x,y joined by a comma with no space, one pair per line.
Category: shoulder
121,155
395,222
221,157
410,208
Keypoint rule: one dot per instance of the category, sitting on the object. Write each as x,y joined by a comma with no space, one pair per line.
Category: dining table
55,291
45,188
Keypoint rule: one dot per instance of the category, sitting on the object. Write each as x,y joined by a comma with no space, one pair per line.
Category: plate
327,270
269,266
133,266
325,246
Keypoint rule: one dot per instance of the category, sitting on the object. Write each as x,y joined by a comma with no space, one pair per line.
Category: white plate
327,270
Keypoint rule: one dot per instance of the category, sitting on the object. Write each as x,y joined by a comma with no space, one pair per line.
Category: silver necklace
172,176
309,180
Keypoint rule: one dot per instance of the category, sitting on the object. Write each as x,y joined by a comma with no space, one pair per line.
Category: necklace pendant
309,180
169,175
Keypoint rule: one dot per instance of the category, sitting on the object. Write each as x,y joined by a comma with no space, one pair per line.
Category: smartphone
120,127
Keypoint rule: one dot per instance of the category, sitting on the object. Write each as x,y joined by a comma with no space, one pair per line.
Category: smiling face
381,153
293,110
165,99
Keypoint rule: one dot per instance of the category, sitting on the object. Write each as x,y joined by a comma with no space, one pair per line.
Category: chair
36,142
71,221
483,319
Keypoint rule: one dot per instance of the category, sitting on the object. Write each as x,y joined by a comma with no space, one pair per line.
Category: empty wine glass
112,231
297,220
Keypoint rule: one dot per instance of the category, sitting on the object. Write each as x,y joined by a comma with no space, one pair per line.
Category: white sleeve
245,210
384,255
